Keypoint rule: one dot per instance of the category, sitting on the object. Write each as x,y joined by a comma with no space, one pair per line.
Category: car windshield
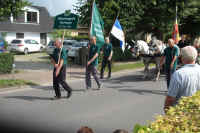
67,43
16,41
76,45
51,43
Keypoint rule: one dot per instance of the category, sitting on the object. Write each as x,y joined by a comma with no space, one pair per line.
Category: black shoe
108,77
100,86
69,94
56,97
101,77
88,87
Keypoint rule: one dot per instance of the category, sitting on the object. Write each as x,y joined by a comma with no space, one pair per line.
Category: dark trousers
91,69
60,80
105,61
168,76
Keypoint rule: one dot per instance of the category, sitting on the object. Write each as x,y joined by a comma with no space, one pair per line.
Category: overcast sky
55,7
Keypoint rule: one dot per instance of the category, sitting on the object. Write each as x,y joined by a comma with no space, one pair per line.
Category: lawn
126,66
4,83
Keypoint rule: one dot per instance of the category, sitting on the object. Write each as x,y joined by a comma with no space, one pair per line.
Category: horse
149,54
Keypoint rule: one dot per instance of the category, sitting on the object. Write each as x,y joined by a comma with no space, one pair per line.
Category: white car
70,45
25,46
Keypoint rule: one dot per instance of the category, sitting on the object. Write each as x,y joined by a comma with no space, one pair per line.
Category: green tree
14,7
141,16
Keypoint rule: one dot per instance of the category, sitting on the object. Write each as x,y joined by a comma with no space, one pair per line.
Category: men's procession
98,66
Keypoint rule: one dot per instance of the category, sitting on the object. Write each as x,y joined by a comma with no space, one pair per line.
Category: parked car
70,45
50,47
2,43
73,52
25,46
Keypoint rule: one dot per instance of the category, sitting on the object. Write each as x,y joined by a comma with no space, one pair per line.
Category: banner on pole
97,25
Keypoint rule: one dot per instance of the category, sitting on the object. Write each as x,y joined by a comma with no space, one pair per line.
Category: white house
35,23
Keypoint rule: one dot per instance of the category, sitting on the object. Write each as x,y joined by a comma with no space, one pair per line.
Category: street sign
66,21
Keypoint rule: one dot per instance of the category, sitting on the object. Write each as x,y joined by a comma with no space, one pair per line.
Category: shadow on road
142,91
50,88
28,98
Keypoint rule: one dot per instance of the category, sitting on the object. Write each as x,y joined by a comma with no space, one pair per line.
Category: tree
142,16
14,7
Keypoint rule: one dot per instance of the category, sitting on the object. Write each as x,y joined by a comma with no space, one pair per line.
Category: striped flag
118,33
175,34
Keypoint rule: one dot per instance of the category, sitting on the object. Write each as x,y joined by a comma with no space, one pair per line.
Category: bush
6,62
183,118
119,55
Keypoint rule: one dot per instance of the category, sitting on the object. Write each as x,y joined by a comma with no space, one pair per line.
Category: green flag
97,25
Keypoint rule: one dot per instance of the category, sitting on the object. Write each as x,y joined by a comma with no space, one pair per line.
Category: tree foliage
14,7
141,16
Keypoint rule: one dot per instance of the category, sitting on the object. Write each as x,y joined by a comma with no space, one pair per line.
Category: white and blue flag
118,33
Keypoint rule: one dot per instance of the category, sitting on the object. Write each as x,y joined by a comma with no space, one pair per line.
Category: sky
55,7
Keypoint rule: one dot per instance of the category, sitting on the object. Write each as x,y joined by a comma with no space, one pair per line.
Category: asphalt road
123,101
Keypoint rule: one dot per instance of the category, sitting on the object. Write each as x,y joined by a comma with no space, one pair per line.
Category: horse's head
135,49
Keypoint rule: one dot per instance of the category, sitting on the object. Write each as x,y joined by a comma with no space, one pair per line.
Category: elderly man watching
185,81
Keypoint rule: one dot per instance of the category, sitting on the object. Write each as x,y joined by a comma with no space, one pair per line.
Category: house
35,23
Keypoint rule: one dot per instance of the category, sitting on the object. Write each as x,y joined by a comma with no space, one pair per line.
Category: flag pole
61,45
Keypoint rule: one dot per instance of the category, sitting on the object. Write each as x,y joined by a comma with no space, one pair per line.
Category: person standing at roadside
185,81
196,44
107,56
170,57
92,63
59,60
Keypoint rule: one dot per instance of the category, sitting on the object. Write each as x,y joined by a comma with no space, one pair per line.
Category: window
20,35
34,42
32,17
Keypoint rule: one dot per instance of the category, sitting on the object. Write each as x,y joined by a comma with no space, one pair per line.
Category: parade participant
59,60
185,81
170,57
183,42
196,44
107,56
92,63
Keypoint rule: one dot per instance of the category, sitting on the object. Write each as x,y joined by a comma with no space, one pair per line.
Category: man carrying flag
118,33
96,41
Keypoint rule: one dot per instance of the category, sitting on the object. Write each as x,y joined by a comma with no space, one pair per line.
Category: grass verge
125,66
4,83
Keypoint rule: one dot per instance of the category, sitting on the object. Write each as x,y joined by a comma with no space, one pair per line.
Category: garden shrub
6,62
119,55
183,118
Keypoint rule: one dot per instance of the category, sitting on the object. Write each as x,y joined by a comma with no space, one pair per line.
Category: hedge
6,62
119,55
183,118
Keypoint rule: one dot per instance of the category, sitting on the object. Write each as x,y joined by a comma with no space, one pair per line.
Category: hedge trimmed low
119,55
6,62
183,118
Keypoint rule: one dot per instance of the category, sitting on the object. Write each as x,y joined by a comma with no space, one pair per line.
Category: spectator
170,57
120,131
183,42
85,130
185,81
196,44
